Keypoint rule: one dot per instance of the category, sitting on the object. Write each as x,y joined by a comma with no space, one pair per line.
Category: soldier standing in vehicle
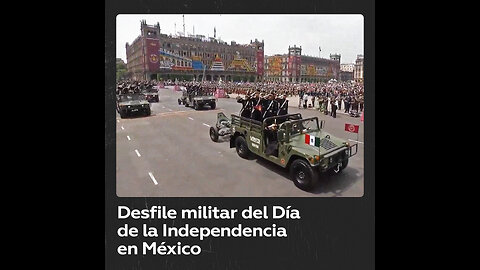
246,105
257,107
282,105
270,106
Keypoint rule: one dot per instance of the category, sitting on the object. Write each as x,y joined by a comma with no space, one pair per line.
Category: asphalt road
170,154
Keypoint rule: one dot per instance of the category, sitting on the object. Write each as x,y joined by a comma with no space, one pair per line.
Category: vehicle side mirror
281,135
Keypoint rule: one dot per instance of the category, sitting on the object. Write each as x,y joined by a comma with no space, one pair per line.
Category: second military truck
197,100
288,141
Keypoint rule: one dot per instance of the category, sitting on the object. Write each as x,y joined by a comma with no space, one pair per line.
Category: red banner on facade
152,57
351,128
260,63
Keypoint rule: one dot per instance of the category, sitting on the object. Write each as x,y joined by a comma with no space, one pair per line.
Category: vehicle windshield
131,97
151,90
304,126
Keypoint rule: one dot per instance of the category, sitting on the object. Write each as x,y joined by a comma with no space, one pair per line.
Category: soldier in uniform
347,104
270,106
361,103
246,110
334,107
282,105
257,106
282,108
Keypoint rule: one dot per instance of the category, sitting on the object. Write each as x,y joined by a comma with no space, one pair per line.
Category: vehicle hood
204,98
328,143
133,102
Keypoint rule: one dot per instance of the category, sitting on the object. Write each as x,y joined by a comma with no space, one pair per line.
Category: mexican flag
312,140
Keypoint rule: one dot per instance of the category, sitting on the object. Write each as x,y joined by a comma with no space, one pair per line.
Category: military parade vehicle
197,100
131,104
151,94
301,145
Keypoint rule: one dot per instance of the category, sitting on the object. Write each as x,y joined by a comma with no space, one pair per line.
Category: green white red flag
312,140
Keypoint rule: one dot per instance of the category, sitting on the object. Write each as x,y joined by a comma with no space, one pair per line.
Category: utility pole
183,16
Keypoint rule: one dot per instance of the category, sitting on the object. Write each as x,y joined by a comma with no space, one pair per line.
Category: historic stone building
347,67
358,71
153,55
295,67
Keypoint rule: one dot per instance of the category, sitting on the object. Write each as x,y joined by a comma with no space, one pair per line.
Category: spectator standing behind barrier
300,98
334,108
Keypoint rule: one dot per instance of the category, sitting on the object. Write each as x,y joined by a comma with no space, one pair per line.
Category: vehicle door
255,139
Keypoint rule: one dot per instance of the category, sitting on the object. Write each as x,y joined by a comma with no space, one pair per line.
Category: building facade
347,67
154,54
295,67
346,76
358,72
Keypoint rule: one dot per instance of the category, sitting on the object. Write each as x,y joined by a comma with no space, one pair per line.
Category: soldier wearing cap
270,106
257,106
282,105
246,105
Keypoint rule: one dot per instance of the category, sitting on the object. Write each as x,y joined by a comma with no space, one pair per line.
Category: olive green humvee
129,104
294,143
196,100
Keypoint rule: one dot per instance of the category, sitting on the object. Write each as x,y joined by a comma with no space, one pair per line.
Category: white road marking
153,178
355,141
163,107
118,121
170,110
128,137
206,125
122,128
138,154
190,118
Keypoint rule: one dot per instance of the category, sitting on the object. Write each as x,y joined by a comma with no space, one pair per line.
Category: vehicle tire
344,165
195,105
185,103
157,99
214,134
213,105
148,112
122,115
303,175
242,147
179,102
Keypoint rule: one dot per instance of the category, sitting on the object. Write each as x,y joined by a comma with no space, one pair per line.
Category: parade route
170,154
